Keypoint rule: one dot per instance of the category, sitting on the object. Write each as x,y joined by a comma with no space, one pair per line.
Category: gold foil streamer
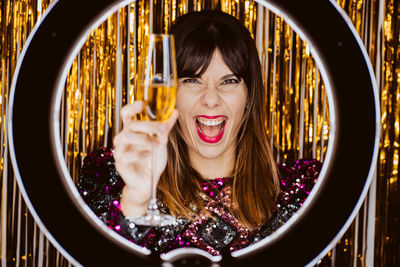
22,244
388,192
102,78
294,94
298,117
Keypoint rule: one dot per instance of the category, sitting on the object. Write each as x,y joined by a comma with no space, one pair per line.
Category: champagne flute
157,83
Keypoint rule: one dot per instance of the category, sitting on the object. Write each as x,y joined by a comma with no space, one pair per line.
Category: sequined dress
100,186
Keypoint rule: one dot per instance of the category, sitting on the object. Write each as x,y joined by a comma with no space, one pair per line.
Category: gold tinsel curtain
101,80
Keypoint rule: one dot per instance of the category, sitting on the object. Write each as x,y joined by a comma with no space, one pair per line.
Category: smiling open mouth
210,128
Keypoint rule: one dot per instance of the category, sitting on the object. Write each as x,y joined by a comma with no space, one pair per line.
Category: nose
211,97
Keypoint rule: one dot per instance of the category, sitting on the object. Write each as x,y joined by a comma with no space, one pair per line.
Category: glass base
155,220
153,217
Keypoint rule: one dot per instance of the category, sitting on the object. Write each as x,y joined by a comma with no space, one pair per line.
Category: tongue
210,131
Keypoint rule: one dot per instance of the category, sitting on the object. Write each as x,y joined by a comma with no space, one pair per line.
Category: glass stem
153,186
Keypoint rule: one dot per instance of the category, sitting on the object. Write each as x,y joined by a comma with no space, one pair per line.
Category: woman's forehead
216,68
210,65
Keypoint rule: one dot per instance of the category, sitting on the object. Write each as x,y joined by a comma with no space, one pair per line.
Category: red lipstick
208,139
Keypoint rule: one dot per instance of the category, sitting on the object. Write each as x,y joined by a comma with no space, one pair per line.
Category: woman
216,172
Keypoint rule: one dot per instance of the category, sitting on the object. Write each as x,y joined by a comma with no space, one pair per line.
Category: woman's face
211,109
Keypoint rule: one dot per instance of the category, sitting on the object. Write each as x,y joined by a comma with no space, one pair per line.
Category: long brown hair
255,182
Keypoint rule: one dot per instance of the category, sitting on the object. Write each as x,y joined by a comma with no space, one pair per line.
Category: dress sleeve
297,181
99,182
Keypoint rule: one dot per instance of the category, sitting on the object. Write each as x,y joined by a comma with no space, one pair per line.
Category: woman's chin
209,147
210,150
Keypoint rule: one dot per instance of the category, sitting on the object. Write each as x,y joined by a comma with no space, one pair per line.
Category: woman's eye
231,81
190,80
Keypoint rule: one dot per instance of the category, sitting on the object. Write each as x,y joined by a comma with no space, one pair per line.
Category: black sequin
100,186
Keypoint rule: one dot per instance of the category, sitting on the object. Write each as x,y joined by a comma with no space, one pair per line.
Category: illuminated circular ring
47,188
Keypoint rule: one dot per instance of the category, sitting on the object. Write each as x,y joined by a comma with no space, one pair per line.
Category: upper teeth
210,122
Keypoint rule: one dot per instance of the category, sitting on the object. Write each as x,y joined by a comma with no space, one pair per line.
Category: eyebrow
230,76
222,78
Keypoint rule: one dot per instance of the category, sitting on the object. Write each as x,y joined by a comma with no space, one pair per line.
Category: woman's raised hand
132,153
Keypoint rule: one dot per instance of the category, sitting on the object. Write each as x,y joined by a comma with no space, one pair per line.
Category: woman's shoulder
100,158
297,180
99,168
99,182
303,173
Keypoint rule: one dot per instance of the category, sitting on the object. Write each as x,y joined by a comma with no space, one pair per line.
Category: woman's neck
210,168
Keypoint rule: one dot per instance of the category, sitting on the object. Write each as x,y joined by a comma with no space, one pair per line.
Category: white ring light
345,68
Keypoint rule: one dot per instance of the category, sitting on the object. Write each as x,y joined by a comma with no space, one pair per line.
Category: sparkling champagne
157,82
160,101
